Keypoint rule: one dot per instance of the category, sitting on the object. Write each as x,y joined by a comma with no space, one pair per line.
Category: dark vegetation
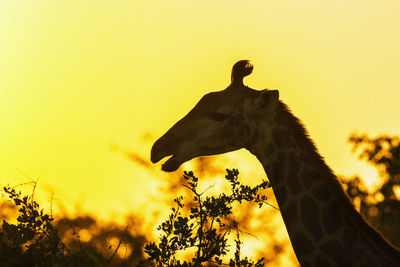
206,228
200,229
34,238
381,207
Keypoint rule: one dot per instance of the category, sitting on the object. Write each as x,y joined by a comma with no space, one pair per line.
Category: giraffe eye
217,116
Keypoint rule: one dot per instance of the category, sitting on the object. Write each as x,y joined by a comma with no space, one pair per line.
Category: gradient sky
82,82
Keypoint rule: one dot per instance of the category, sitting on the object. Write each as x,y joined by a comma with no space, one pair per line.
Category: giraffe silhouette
323,225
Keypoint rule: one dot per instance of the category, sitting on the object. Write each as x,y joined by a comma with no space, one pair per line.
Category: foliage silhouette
206,228
381,207
36,239
32,238
276,248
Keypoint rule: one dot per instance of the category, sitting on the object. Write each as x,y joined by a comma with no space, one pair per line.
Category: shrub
206,228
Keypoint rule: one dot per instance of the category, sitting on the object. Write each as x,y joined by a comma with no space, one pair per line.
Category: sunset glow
85,83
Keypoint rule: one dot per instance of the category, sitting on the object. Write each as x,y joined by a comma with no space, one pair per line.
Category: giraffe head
220,122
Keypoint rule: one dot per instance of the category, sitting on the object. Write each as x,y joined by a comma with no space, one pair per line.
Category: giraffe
323,225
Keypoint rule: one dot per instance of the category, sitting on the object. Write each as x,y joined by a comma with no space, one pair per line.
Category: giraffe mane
301,134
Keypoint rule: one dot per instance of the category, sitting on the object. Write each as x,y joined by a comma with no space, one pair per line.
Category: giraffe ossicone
323,226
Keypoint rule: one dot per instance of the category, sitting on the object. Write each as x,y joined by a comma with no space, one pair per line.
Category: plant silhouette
206,228
36,239
381,207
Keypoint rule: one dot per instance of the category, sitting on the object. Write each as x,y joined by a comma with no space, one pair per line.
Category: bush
206,228
35,239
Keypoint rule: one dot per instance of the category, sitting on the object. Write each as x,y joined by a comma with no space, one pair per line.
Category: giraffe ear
268,99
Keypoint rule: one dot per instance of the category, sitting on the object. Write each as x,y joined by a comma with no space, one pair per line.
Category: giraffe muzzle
172,164
161,150
158,152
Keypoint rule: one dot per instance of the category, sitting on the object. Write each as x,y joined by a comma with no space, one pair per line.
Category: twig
189,188
207,189
26,175
119,244
270,205
51,205
34,188
22,184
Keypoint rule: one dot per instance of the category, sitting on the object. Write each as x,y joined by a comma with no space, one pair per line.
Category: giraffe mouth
160,151
172,164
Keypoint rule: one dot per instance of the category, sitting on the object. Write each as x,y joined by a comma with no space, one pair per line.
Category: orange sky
83,81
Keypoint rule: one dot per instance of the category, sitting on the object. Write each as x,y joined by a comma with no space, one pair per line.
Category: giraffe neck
322,224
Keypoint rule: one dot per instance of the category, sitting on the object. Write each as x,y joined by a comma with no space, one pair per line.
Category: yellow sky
83,81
